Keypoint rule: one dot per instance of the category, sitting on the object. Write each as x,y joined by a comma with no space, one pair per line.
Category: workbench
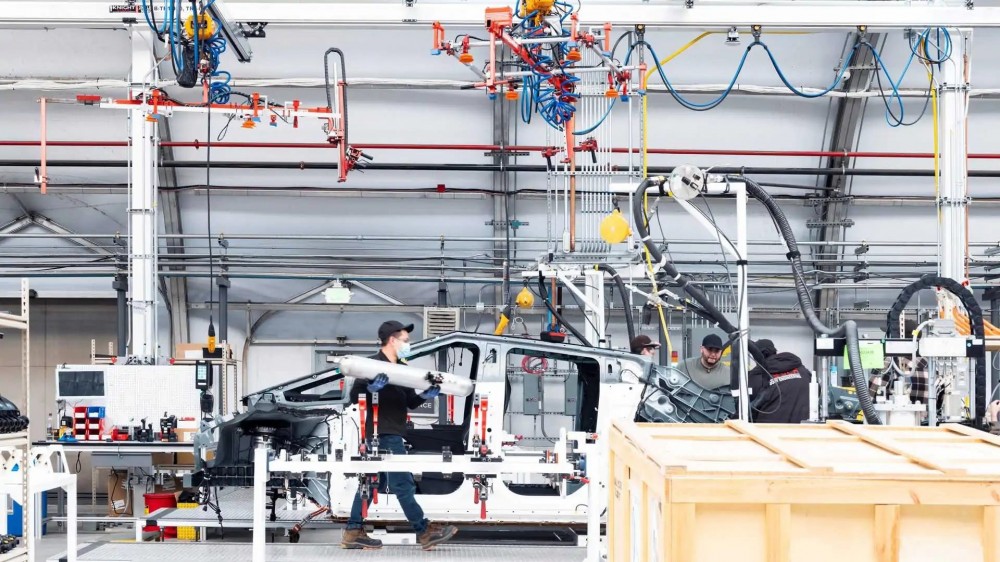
127,455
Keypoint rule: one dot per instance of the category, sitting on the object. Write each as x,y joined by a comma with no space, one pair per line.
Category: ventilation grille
440,321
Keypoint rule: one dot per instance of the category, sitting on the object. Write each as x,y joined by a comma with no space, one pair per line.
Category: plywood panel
832,533
724,529
938,533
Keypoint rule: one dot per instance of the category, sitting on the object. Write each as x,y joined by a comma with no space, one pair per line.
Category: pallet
785,493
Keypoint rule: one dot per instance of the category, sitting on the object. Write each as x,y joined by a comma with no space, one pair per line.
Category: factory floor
318,544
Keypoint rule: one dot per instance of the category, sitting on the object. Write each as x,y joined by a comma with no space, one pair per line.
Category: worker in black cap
643,345
779,387
394,404
706,368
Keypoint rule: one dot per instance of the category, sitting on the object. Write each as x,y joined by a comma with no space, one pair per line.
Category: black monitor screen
81,383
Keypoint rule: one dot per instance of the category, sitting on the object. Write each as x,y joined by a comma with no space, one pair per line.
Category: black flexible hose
848,330
343,76
676,277
975,324
629,323
555,314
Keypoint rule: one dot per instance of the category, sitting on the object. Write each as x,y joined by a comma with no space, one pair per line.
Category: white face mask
402,349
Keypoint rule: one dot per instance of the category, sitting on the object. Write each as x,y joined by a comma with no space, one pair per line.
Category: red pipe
527,148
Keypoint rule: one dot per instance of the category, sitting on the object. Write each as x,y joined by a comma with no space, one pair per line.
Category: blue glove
431,393
378,383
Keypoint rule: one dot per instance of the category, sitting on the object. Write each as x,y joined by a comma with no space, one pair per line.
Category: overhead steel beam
175,287
374,292
56,228
846,129
786,15
17,224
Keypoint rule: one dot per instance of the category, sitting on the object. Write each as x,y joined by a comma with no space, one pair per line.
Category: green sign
872,355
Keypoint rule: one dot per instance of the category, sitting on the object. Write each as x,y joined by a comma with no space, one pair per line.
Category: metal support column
260,477
953,192
142,203
223,283
594,295
120,285
742,310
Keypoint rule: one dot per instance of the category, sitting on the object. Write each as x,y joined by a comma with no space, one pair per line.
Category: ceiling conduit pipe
253,165
196,144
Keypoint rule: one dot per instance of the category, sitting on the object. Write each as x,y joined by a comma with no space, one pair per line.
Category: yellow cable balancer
206,27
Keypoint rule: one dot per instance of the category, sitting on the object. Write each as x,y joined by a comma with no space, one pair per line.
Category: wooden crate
803,493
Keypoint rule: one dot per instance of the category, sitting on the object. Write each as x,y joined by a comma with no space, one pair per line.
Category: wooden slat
833,490
778,529
893,447
772,445
974,433
991,534
887,533
682,532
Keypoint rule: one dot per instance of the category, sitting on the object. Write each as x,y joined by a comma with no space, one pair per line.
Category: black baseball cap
639,343
391,327
712,341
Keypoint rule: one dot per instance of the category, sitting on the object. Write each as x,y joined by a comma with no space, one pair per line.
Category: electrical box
572,394
532,385
943,347
202,375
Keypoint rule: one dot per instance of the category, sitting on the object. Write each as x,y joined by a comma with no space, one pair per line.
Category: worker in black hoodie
779,387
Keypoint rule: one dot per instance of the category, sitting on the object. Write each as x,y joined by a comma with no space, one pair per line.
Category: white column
71,520
952,197
742,310
260,477
594,300
142,203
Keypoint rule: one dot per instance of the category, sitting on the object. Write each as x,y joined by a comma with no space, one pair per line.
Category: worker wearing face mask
394,404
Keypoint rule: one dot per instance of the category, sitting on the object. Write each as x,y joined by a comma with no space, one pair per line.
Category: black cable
208,203
555,313
885,99
975,323
629,321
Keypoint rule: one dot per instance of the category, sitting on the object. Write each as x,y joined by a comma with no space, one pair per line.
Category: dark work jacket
783,395
394,402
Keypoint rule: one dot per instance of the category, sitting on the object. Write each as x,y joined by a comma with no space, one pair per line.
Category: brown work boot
359,539
435,535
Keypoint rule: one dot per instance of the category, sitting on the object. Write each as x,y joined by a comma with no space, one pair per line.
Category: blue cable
699,106
793,89
167,10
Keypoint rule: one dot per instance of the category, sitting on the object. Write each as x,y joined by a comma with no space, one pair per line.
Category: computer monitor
77,385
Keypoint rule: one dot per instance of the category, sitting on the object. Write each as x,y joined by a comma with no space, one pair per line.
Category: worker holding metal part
389,431
706,368
644,346
779,387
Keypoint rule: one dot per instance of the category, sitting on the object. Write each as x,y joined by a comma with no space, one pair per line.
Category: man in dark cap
643,345
394,404
779,387
706,368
